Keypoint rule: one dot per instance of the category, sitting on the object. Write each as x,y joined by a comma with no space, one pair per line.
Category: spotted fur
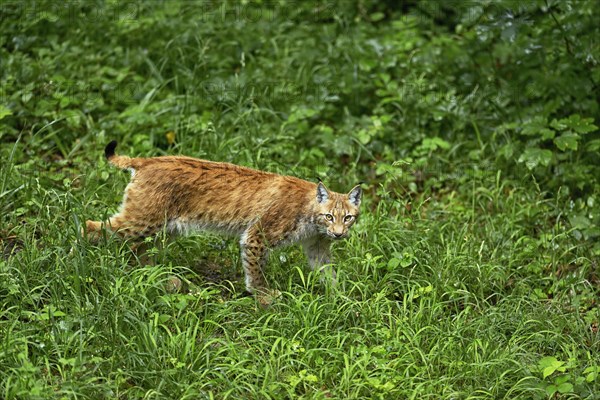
266,210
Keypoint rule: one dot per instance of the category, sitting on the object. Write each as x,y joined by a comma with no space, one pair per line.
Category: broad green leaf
593,145
546,133
422,290
435,143
592,373
67,361
581,125
387,169
543,132
364,136
575,123
406,260
554,366
385,78
366,64
301,113
162,318
548,365
546,372
535,156
550,390
4,111
559,125
579,221
538,126
64,102
567,141
566,387
377,16
393,264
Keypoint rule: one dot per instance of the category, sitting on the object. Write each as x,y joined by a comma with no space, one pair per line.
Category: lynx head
337,212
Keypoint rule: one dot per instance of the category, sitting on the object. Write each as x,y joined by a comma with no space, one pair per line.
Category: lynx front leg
319,257
254,255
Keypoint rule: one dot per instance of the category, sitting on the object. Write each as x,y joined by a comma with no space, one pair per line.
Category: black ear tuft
109,150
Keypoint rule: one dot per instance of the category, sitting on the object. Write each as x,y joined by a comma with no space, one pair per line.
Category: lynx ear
322,193
355,195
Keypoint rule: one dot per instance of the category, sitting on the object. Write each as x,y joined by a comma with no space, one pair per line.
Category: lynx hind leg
126,230
122,227
95,229
319,258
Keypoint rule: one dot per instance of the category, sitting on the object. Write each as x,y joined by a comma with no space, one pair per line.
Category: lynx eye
329,217
348,218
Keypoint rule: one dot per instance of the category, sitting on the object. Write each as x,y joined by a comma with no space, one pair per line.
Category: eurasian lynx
184,194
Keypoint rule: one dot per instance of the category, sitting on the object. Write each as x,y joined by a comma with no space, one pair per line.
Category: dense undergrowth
473,272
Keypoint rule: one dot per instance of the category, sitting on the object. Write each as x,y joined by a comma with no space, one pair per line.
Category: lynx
184,194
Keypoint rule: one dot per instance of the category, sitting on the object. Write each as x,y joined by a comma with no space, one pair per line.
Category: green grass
454,317
463,279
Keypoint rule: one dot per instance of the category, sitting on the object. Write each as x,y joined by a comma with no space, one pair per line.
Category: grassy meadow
471,274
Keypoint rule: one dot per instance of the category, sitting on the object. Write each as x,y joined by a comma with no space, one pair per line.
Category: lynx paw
92,231
265,299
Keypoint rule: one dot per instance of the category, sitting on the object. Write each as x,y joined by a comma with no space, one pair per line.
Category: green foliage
559,377
473,272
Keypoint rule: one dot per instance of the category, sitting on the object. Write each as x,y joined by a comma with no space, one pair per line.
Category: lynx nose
337,235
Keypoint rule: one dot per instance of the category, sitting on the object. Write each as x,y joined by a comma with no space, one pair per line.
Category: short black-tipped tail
122,162
109,150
